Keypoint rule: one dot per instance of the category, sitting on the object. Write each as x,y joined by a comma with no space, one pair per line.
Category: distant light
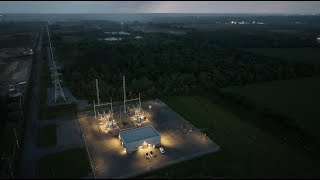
150,106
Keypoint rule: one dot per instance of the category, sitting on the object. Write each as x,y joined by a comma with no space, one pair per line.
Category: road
29,153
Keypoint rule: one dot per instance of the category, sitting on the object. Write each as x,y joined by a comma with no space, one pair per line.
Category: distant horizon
162,7
169,13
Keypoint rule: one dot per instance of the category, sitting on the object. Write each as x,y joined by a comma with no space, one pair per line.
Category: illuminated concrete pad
133,138
179,138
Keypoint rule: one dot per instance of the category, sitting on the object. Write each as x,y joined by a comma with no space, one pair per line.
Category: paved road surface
29,153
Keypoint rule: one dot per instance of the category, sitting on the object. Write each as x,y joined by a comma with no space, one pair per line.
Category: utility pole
20,106
124,94
139,103
15,134
111,107
120,114
94,109
8,159
97,88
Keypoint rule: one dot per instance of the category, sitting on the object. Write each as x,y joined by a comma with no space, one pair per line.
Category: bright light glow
150,106
124,150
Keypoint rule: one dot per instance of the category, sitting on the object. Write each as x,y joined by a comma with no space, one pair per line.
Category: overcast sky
160,7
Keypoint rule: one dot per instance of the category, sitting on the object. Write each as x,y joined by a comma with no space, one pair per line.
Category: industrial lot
136,137
179,139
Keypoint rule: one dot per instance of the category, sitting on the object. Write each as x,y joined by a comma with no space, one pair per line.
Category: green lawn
246,151
73,163
65,111
296,98
47,136
311,55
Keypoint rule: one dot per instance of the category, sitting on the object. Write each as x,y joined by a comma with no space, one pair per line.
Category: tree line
164,64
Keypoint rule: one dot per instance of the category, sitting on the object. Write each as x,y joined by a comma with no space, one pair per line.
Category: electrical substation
128,138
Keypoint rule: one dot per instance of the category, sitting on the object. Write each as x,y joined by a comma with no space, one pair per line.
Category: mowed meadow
296,98
246,150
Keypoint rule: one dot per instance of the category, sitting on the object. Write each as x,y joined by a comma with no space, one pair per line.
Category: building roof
138,134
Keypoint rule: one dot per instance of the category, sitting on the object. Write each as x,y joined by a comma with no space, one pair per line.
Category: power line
58,91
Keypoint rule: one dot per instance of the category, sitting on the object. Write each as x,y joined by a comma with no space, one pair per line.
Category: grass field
308,55
67,111
47,136
246,151
73,163
296,98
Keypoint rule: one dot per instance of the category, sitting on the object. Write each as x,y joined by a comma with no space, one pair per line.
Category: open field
180,140
295,98
307,55
246,151
15,39
14,70
16,34
69,110
47,136
73,163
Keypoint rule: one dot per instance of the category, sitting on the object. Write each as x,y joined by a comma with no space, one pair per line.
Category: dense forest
164,64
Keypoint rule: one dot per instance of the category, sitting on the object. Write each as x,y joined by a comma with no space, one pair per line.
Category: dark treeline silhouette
164,64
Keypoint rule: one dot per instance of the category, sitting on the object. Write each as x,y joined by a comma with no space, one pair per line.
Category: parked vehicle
162,150
147,156
151,154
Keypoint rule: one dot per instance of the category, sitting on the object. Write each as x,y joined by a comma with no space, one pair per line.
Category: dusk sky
160,7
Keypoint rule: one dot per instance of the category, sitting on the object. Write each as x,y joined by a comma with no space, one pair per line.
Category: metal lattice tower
58,91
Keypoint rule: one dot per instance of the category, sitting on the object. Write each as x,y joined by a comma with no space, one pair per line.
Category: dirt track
15,70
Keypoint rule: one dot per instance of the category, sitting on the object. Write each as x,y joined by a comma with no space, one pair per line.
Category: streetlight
150,110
